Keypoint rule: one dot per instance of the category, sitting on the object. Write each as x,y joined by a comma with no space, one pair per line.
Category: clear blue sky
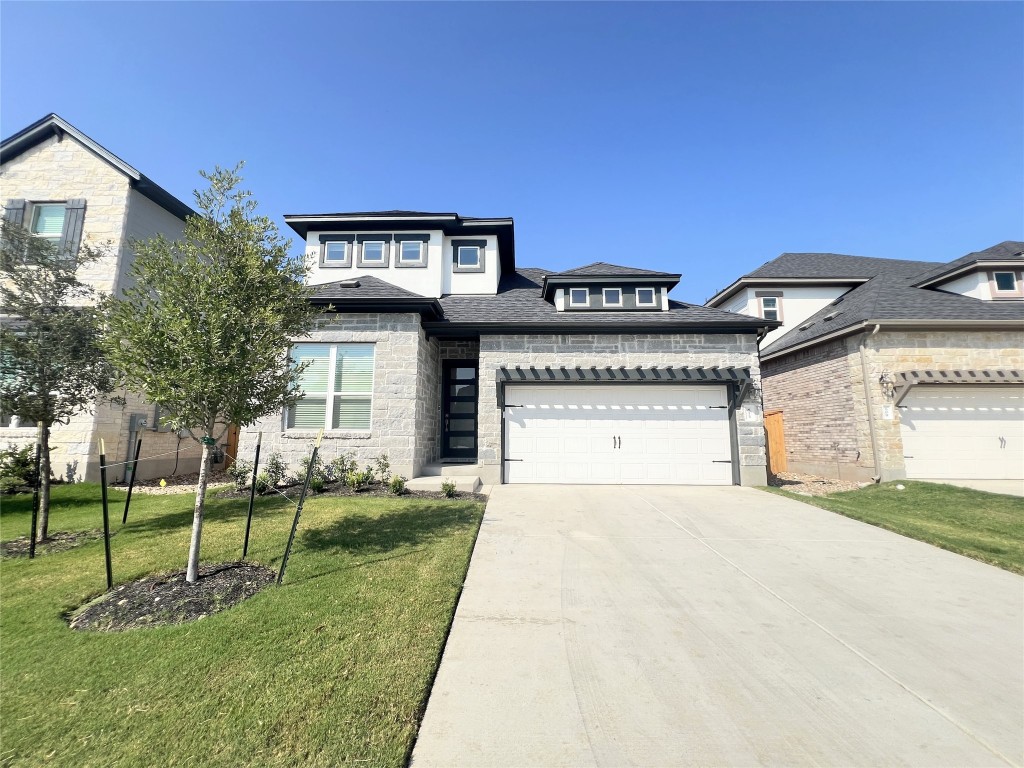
704,138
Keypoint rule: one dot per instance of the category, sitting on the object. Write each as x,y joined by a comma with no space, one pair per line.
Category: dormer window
468,256
612,297
769,304
579,297
1005,282
646,297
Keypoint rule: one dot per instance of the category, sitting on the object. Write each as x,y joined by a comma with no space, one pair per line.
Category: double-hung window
770,307
337,387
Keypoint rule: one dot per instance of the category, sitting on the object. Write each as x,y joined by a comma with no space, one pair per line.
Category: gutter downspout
867,402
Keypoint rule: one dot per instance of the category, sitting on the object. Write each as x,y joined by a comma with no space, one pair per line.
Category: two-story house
63,185
894,369
438,349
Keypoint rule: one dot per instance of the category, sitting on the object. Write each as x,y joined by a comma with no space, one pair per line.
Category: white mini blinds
48,220
373,251
335,252
337,387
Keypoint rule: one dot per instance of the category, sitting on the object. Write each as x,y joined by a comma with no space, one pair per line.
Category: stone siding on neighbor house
402,372
630,350
801,386
63,170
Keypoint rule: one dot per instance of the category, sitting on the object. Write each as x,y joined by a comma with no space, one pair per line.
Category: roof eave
903,324
424,307
455,328
551,282
965,269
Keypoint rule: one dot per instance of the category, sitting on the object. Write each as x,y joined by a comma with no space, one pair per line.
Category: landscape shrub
273,473
382,468
397,485
17,468
448,489
240,472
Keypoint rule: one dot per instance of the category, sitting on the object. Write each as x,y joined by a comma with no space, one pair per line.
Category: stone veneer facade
630,350
824,401
57,170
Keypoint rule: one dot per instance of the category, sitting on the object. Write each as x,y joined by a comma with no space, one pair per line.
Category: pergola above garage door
963,431
617,433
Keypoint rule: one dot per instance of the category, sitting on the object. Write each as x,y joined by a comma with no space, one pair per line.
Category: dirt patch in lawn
61,541
168,599
810,485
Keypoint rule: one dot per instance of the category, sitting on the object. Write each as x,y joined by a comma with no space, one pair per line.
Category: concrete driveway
660,626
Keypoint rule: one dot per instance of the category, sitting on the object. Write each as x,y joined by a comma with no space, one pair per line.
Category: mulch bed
810,485
167,598
61,541
340,489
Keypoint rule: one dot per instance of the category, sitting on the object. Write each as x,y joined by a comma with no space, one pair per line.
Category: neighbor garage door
963,432
617,434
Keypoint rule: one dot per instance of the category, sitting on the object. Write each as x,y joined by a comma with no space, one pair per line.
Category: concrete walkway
662,626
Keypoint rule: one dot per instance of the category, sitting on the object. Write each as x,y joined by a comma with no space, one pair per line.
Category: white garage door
617,434
963,432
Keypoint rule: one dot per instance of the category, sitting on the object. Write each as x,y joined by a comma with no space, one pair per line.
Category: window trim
654,302
1014,293
577,303
424,243
761,296
481,249
604,298
331,394
377,237
326,240
419,261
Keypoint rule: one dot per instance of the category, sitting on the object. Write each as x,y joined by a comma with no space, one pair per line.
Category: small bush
11,483
382,468
318,473
240,472
340,467
274,471
263,486
18,464
397,485
356,480
448,489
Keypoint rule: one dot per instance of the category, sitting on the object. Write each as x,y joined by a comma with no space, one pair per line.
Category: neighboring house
436,348
61,184
891,369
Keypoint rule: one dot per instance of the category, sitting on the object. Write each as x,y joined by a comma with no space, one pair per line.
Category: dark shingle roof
837,265
892,297
1008,250
603,268
363,287
519,302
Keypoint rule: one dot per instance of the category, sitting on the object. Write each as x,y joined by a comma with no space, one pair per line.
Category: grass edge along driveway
331,668
984,526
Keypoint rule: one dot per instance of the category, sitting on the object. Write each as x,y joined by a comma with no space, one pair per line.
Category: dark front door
458,415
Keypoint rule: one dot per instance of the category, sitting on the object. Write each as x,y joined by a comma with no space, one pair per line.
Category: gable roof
895,299
55,125
1008,252
604,269
519,306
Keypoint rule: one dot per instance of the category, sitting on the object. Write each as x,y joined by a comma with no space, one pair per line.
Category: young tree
204,331
51,361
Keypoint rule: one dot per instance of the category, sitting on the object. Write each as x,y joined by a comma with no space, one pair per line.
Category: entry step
438,469
433,483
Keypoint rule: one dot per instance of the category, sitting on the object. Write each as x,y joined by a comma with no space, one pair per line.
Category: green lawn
986,526
332,668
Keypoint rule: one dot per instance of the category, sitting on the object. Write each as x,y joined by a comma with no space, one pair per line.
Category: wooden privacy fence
776,442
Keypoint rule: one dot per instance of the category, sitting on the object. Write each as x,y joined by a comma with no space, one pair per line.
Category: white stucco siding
975,285
797,304
426,281
485,282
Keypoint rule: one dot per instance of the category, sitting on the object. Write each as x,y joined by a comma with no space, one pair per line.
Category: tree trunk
44,482
192,575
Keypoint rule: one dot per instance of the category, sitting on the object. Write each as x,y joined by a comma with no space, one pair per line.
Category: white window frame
33,216
383,252
604,297
777,309
346,254
1013,276
421,247
654,298
458,257
332,369
584,303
